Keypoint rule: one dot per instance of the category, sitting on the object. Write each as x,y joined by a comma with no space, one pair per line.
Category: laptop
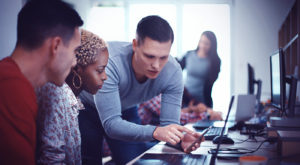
244,108
215,130
181,159
215,152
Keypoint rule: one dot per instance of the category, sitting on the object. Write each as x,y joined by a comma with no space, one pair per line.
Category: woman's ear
79,70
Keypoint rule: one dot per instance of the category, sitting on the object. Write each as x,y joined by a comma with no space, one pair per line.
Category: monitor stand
285,122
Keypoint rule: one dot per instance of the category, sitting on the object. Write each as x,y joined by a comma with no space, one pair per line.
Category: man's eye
163,58
99,71
150,57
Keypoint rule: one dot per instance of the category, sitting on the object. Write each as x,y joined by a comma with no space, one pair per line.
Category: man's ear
134,44
55,44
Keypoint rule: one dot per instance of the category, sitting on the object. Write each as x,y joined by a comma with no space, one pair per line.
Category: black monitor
251,85
250,79
277,68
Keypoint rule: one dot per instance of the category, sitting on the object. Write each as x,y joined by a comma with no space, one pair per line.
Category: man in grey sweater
137,72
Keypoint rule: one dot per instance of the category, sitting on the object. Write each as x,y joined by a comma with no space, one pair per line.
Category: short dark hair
41,19
155,28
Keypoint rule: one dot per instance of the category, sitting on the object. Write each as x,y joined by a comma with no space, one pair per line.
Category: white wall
255,26
9,10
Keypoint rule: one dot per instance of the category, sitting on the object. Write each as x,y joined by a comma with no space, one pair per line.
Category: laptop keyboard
213,132
171,159
189,159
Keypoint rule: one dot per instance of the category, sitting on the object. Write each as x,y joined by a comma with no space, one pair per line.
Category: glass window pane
110,27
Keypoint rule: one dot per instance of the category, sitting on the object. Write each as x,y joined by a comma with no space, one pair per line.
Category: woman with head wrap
58,131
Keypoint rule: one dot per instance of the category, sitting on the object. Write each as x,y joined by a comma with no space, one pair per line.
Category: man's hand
201,108
172,133
215,115
188,140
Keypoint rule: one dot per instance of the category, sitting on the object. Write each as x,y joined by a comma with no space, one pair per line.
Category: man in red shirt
47,36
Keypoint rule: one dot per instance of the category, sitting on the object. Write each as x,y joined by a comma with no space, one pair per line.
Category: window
107,22
198,18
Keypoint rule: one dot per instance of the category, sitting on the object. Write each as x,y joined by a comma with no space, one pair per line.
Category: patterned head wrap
91,44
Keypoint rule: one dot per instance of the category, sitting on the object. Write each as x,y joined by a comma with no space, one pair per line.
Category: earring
76,75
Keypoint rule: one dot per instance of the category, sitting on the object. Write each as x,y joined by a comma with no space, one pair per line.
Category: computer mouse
225,140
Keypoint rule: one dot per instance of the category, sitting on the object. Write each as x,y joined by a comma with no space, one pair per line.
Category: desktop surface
268,150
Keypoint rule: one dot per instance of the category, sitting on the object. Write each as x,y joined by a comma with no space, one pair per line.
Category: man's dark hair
41,19
155,28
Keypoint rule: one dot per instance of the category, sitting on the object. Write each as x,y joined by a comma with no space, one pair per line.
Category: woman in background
202,66
59,140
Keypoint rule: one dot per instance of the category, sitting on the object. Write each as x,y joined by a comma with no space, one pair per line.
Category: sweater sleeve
108,104
171,100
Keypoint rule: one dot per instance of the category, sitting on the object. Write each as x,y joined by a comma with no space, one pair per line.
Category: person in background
203,67
136,72
58,129
149,112
47,36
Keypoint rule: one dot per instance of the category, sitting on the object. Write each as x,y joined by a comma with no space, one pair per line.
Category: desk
268,150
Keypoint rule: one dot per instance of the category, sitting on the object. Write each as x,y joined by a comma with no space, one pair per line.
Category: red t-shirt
18,112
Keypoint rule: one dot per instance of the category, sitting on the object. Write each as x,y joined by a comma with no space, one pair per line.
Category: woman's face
204,44
93,75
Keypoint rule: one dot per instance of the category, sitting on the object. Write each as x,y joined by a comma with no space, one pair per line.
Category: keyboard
215,131
172,159
193,159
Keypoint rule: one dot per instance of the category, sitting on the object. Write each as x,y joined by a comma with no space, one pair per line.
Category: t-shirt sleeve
51,122
108,104
17,122
171,99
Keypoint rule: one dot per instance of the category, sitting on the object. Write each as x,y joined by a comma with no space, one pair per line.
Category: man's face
65,59
150,57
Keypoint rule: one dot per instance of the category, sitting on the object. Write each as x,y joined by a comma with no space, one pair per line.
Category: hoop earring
76,75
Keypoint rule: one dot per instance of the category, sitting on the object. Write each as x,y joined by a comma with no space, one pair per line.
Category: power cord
236,150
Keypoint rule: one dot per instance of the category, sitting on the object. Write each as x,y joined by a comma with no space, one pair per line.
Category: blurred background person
203,67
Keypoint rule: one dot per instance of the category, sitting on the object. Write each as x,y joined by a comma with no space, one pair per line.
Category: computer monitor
250,79
277,68
251,85
291,94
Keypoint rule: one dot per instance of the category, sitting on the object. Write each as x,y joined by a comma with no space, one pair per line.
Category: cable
246,140
237,150
242,141
259,146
